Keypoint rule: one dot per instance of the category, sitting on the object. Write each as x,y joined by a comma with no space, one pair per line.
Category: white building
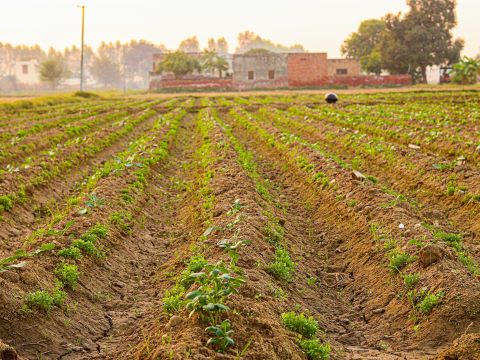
26,72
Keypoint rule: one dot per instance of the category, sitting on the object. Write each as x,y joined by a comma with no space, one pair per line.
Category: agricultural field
241,227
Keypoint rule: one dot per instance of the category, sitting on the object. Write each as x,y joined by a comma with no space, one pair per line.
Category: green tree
179,63
106,71
52,71
364,45
420,38
211,61
466,71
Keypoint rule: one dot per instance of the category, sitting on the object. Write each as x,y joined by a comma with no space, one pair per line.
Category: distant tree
466,71
52,71
211,61
106,71
190,44
219,46
420,38
222,46
249,40
364,45
179,63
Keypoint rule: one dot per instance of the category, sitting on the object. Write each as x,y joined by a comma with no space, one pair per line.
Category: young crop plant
411,280
221,339
67,274
213,286
6,203
314,349
73,253
399,259
301,324
44,300
282,266
423,301
427,304
123,220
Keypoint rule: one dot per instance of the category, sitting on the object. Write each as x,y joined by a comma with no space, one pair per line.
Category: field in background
120,215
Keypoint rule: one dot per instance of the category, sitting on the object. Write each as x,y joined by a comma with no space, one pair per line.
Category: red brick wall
366,80
191,83
307,69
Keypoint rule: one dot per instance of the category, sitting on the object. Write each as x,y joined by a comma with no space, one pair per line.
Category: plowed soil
359,211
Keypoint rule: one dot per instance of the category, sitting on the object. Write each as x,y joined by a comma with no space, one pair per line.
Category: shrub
305,326
282,266
314,349
67,274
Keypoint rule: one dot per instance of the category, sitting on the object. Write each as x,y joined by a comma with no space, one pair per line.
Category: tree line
408,43
114,64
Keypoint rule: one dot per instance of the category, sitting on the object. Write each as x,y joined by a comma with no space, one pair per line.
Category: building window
342,71
251,75
24,69
271,74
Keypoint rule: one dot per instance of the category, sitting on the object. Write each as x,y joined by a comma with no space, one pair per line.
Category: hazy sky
320,25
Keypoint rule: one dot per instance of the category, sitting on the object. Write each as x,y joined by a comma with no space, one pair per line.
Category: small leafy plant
282,266
314,349
72,252
399,259
411,280
301,324
221,338
67,274
214,285
44,300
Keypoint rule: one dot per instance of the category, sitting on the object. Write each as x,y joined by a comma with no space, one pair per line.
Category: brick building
281,70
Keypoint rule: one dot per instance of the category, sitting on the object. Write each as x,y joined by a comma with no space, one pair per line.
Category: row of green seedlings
306,329
128,160
206,156
289,139
41,120
51,170
349,118
70,136
463,256
422,300
122,161
419,132
247,121
282,266
66,272
376,148
204,288
73,126
282,123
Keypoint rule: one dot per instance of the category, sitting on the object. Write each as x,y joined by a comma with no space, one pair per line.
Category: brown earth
341,276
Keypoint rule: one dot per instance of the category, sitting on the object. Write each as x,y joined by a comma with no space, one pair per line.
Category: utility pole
81,56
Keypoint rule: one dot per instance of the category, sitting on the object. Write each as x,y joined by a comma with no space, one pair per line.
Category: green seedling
235,208
44,300
67,274
411,280
301,324
314,349
73,253
221,339
214,285
282,266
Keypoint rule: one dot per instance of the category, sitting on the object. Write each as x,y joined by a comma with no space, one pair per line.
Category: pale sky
320,25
